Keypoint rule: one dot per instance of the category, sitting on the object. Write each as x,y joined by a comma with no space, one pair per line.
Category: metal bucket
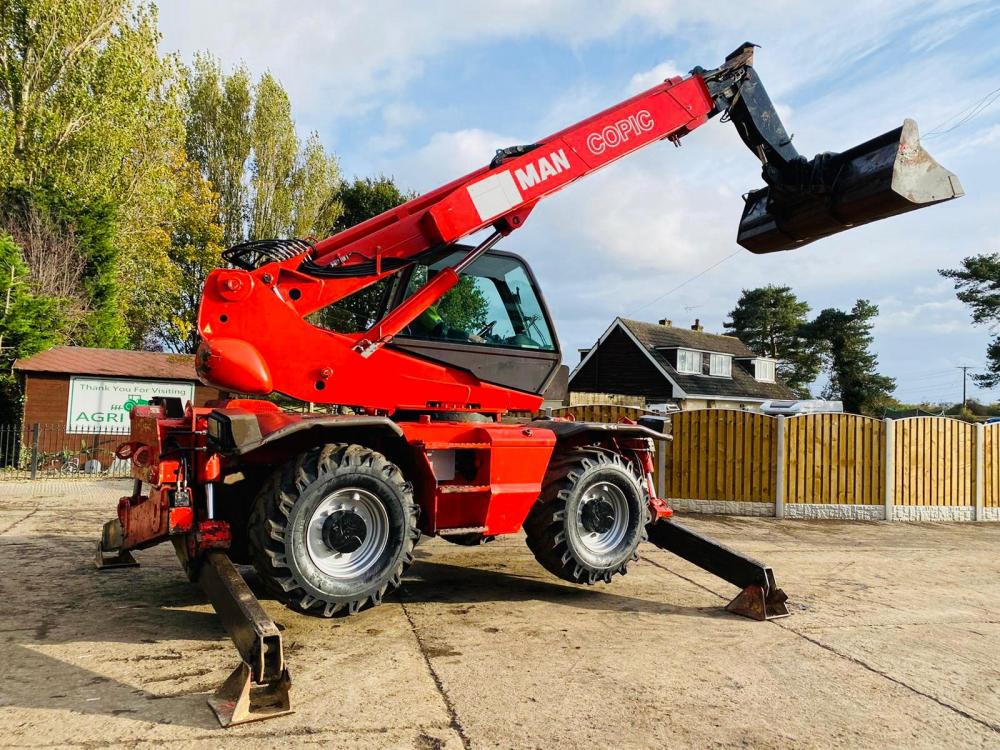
888,175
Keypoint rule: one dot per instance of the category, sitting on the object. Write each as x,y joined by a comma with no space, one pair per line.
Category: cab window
493,304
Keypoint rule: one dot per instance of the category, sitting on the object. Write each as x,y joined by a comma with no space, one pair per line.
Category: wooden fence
720,454
834,459
832,465
935,462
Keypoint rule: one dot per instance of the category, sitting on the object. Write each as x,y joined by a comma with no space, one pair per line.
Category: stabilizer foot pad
115,558
752,602
239,700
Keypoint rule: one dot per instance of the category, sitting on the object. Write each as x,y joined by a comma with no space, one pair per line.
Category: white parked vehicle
805,406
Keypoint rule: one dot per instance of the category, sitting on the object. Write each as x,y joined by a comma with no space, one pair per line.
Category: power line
966,114
939,376
685,283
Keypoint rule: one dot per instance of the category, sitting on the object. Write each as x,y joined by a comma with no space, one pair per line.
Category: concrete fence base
724,507
843,512
935,513
837,512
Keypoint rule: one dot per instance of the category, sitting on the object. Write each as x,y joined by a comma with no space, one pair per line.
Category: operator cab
493,323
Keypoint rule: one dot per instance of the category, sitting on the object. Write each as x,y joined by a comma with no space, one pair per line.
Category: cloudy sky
427,91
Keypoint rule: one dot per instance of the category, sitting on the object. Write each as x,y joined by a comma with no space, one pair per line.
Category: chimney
583,353
666,322
697,325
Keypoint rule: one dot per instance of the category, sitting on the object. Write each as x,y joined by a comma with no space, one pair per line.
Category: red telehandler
424,345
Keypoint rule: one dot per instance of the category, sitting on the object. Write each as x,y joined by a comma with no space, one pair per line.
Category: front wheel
590,518
334,530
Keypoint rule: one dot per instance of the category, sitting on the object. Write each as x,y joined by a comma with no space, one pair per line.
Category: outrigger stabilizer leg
258,688
760,598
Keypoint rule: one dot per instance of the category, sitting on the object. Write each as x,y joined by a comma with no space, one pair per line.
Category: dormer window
764,370
720,365
689,361
704,363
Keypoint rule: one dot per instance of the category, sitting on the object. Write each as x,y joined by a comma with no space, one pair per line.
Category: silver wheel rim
603,542
346,565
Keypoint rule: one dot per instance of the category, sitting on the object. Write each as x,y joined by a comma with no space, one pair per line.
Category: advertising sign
103,404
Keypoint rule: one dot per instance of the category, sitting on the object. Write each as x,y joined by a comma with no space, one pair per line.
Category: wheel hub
602,519
347,533
598,515
344,531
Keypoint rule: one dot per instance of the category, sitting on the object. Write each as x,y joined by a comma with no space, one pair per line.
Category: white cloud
650,78
446,157
344,58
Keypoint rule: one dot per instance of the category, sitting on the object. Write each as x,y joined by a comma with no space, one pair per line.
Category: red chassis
329,507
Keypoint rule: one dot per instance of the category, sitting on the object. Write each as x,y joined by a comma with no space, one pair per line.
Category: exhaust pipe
809,200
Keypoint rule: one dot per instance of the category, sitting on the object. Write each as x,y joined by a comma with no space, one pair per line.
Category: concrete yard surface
894,641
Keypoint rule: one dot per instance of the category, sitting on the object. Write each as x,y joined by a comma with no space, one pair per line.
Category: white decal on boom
615,134
542,169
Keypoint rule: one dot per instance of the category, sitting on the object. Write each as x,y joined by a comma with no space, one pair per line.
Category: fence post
779,477
34,450
977,511
889,481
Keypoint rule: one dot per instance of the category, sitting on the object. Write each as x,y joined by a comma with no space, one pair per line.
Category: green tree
316,176
243,136
365,198
352,203
845,340
29,323
68,245
770,320
90,115
275,147
195,249
977,284
219,111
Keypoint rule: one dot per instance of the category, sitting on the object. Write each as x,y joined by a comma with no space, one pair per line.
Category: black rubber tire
284,507
551,528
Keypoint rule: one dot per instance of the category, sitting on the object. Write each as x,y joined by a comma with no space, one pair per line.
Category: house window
720,365
764,370
688,361
704,363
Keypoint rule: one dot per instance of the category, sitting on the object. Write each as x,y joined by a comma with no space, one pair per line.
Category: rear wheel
334,530
590,518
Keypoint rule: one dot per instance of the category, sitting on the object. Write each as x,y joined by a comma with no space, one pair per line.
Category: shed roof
119,363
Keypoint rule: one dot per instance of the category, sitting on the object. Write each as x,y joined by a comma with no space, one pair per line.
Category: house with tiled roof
685,367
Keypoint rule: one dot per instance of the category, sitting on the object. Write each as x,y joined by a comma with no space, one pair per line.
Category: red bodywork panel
505,465
253,323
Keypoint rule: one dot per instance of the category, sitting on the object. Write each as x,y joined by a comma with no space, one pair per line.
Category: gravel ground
894,642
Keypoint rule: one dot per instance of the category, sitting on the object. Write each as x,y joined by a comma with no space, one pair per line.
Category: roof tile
79,360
